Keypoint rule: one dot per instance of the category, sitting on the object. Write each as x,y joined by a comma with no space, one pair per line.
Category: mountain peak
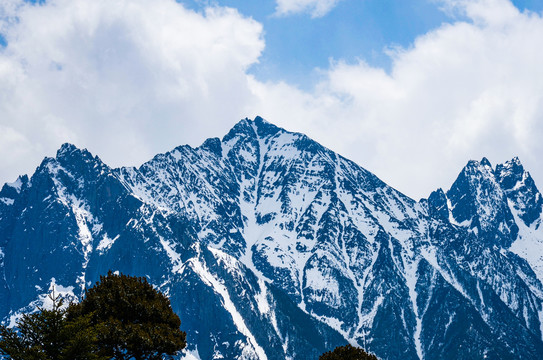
515,160
260,120
475,194
512,166
69,152
252,128
437,205
242,127
76,160
66,148
280,238
213,145
474,166
18,184
265,128
474,172
510,173
12,190
521,190
485,162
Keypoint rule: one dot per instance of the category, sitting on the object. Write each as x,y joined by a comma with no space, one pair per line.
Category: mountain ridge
301,230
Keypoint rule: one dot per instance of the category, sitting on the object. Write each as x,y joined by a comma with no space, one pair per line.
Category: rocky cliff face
271,246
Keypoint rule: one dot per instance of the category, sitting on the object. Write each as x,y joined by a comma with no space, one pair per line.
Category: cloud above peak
484,12
316,8
462,91
132,78
123,78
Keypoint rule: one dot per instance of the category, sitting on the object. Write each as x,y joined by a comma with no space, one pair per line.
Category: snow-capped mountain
271,246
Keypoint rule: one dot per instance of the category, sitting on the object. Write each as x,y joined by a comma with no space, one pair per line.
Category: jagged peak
437,205
19,183
69,151
506,174
514,165
474,189
511,175
253,128
266,128
11,190
213,145
475,165
473,175
484,162
241,127
521,189
66,148
72,158
512,172
438,193
514,160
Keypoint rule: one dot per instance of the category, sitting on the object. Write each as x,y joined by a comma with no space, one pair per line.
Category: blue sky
410,90
299,44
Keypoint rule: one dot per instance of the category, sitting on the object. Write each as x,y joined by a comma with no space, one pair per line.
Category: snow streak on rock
274,247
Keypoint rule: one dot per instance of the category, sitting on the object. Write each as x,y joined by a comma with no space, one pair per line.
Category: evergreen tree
135,320
121,317
347,352
47,335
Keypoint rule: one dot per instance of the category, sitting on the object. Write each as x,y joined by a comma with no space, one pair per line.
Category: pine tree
135,320
47,335
121,317
347,352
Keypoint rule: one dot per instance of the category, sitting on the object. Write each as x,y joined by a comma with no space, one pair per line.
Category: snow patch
220,289
7,201
106,243
430,255
261,298
529,242
326,288
44,301
190,355
452,220
17,184
230,262
411,279
65,292
83,217
540,314
175,257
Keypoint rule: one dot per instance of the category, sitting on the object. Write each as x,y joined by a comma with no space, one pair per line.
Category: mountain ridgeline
271,246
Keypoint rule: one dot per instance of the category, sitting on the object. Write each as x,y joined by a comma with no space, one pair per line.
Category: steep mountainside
274,247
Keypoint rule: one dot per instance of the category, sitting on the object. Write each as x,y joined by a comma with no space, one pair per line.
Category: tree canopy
347,352
135,320
120,317
46,334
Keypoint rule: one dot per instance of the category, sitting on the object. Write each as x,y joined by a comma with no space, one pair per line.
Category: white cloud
126,79
317,8
463,91
483,12
131,78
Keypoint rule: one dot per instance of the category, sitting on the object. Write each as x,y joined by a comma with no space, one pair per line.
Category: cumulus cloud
463,91
131,78
126,78
317,8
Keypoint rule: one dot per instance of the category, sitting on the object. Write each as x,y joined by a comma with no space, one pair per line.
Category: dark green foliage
47,334
134,319
121,317
347,352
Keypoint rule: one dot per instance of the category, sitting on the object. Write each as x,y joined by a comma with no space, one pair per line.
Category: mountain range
271,246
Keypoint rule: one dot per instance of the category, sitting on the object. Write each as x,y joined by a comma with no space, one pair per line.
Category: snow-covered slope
274,247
